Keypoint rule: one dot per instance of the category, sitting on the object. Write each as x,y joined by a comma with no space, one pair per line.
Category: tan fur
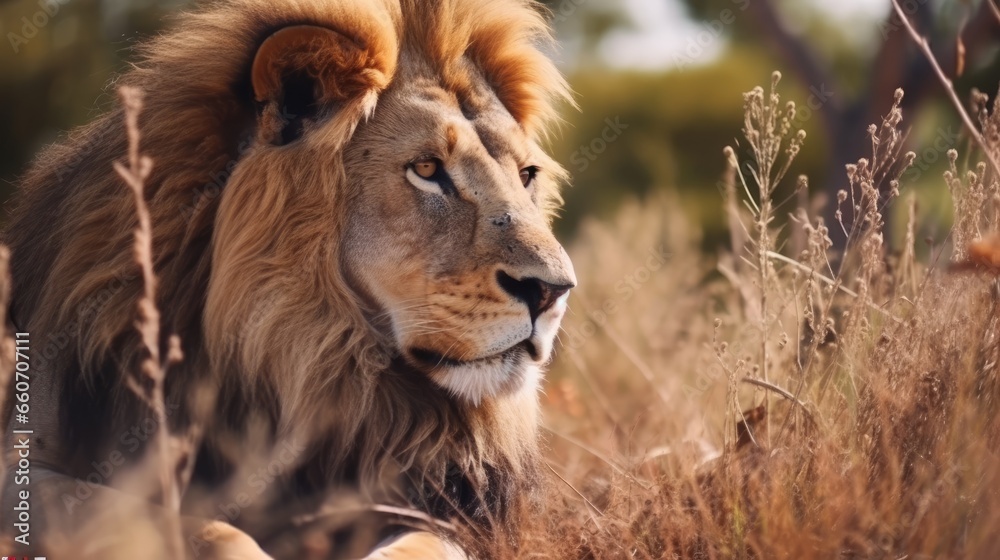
279,282
417,545
224,542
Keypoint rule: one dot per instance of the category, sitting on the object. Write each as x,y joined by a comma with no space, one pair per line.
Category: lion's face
448,240
412,203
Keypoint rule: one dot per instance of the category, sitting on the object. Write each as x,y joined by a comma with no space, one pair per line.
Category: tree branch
948,87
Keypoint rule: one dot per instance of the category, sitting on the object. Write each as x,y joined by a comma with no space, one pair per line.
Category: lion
351,216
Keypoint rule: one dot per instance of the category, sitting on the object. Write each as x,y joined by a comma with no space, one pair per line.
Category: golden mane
76,284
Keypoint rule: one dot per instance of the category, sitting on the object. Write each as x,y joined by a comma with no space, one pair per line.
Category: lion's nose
537,294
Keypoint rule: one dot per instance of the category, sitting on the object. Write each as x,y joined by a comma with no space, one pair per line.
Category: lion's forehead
457,120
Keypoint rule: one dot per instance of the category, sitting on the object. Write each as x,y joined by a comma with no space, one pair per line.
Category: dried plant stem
836,284
594,452
590,504
7,352
330,510
764,331
993,9
764,244
774,388
636,359
148,325
949,88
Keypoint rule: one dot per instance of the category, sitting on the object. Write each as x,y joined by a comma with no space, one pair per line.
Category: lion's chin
508,372
497,376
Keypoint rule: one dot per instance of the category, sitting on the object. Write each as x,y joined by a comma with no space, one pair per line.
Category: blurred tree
895,63
55,62
676,119
851,80
639,132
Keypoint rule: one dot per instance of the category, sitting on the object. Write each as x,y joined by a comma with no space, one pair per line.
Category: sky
662,36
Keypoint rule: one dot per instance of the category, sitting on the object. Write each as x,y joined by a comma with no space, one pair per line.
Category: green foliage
54,69
677,123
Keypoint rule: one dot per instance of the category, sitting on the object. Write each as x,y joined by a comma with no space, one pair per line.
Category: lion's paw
217,540
418,545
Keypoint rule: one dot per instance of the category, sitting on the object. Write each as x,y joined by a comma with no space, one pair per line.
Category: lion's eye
528,175
426,168
428,175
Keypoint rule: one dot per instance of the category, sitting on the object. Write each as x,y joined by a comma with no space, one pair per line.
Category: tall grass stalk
877,434
150,389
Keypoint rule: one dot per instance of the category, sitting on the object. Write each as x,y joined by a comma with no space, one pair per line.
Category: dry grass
782,401
778,400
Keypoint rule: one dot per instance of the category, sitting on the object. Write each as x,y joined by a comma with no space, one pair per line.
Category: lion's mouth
432,359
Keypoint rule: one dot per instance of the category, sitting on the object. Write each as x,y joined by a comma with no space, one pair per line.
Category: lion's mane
76,283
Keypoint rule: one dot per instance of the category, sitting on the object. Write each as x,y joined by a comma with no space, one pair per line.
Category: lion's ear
303,72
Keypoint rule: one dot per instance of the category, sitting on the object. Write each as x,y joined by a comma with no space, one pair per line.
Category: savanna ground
783,399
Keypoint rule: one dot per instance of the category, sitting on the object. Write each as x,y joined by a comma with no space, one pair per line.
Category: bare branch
148,325
778,390
948,87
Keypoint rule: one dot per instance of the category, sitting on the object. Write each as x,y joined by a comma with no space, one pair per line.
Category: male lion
351,235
